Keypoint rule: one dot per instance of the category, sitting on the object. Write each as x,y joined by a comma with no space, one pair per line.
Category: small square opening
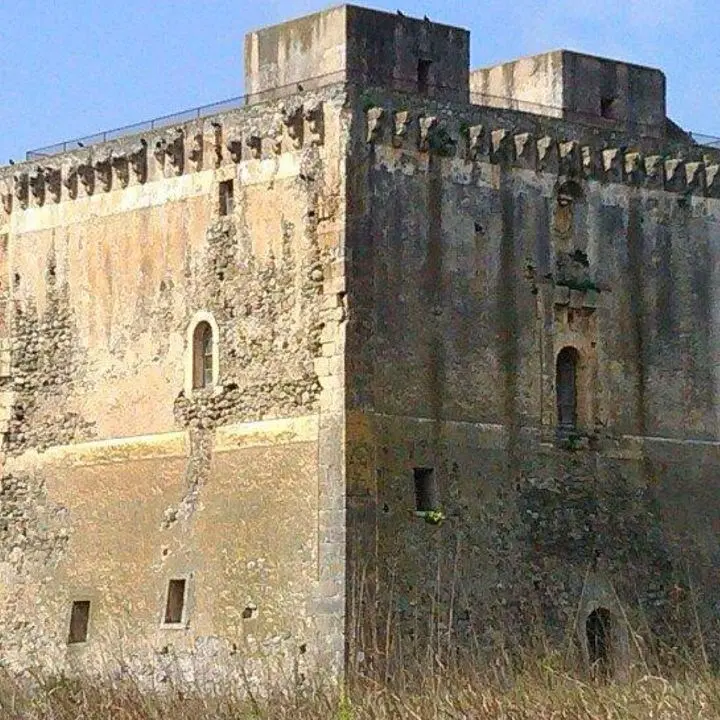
608,106
423,76
426,496
175,602
226,197
79,618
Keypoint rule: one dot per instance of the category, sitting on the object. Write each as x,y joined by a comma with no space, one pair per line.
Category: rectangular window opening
426,495
423,75
226,197
175,602
608,107
79,617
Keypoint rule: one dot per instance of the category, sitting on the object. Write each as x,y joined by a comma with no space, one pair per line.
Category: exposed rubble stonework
394,346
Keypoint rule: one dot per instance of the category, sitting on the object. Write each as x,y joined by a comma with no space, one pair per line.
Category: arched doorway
598,630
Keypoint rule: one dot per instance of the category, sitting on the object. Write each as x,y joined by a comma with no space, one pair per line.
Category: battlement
574,86
355,44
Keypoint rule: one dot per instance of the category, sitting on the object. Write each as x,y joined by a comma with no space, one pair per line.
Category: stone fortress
392,345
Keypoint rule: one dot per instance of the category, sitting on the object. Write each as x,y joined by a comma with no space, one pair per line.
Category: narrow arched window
566,387
203,356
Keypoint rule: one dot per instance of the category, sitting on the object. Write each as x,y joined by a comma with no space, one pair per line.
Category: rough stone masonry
395,347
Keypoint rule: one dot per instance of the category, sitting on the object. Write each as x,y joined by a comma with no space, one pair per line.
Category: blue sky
73,67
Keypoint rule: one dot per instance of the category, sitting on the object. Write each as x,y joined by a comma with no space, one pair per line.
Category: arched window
202,356
566,387
598,631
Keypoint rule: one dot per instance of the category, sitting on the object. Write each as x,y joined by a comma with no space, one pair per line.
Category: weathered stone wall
118,475
481,246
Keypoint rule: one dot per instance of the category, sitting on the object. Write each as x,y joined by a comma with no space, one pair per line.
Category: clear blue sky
73,67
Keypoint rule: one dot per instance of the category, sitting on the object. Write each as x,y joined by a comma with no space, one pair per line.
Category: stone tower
389,340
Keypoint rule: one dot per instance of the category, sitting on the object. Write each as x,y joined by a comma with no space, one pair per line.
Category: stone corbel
217,143
695,174
175,151
712,180
654,172
675,177
159,152
276,139
315,119
6,196
547,155
86,173
234,146
37,186
138,161
254,143
21,189
569,158
589,161
502,148
103,169
634,168
428,124
196,151
401,127
71,181
53,183
121,167
525,150
612,160
293,121
476,142
374,116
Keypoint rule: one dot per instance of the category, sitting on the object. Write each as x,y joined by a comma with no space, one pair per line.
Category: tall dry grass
543,688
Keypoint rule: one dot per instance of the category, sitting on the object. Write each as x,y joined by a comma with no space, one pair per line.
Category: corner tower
360,46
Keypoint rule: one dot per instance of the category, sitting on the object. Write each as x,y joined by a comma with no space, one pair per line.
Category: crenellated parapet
469,142
230,138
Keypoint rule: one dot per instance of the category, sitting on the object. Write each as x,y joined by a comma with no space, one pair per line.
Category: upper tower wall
576,87
354,44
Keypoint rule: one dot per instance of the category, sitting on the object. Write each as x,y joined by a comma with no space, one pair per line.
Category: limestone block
502,147
401,127
634,168
569,154
612,165
138,161
476,142
547,155
37,186
374,118
196,151
292,118
561,295
590,162
70,181
21,189
695,177
103,172
525,151
314,117
712,181
655,172
675,176
53,183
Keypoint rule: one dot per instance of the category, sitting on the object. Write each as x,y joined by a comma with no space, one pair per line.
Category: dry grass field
541,689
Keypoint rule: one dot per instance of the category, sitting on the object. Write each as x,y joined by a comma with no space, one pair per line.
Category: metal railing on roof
705,140
202,111
183,116
166,120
